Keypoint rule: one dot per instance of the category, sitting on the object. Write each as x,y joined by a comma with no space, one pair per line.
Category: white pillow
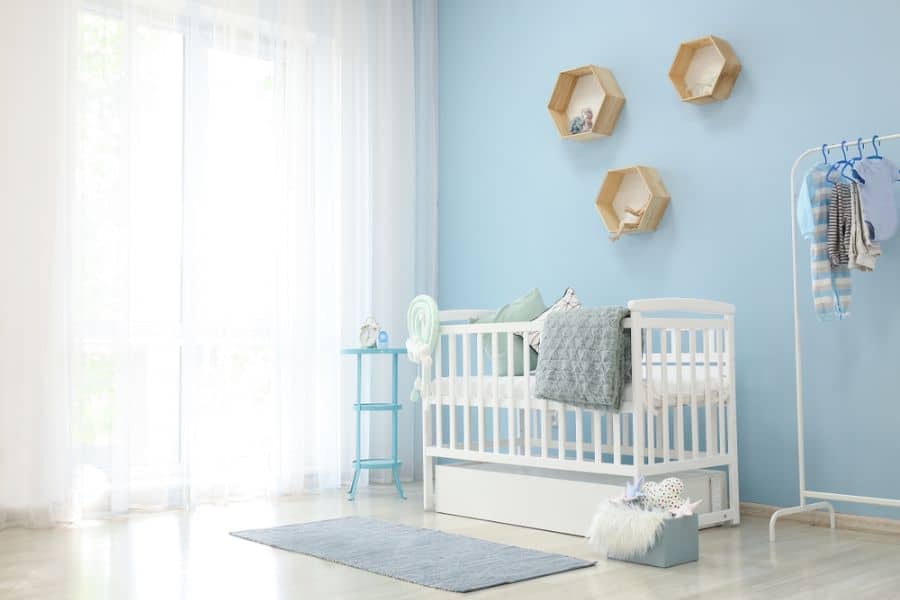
568,301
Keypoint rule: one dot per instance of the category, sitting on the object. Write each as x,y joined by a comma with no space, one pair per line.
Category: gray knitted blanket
585,357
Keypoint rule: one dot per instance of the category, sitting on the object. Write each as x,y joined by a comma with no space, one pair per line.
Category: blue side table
393,406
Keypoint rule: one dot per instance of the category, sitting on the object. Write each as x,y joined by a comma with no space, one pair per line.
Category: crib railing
679,413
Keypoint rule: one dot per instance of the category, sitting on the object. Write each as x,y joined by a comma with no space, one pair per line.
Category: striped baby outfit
840,215
831,285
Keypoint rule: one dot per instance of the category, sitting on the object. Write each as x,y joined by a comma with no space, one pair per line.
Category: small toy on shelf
700,89
583,122
383,339
588,116
625,226
368,333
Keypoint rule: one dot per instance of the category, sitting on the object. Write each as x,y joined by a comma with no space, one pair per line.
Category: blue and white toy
383,339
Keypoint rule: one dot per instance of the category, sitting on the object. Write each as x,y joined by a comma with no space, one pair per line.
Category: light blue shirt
876,196
805,220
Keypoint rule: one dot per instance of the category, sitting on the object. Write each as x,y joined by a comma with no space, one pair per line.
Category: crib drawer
561,501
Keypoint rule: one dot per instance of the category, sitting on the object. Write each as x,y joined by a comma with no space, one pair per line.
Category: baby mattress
523,384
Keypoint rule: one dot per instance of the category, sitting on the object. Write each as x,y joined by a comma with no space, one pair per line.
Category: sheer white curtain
34,483
241,193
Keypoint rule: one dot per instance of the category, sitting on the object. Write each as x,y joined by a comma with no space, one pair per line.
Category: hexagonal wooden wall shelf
704,70
586,88
631,200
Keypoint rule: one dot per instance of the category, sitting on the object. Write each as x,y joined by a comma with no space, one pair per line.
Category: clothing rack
823,497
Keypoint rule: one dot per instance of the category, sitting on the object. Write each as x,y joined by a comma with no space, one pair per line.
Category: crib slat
427,410
545,428
628,424
596,435
707,435
526,372
664,376
480,362
733,488
451,349
695,434
658,426
438,407
496,384
579,434
562,432
640,416
617,437
679,410
720,342
511,407
732,393
467,366
607,426
649,404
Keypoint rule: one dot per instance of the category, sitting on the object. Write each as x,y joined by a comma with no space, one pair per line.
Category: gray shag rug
428,557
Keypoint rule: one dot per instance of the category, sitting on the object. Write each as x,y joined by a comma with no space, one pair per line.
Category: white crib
678,413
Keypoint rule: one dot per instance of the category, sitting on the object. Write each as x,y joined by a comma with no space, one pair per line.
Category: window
180,261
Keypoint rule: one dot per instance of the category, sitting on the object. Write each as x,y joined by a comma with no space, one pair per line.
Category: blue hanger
843,164
856,175
825,152
839,163
875,156
858,150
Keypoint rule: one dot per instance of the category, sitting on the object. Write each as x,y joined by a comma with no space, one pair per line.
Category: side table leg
394,427
352,495
358,464
397,483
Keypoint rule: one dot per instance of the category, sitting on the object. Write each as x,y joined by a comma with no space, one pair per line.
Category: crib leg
733,492
428,483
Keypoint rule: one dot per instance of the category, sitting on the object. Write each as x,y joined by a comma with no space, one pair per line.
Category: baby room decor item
383,339
812,499
446,561
681,397
652,525
583,122
624,530
586,103
393,462
568,301
368,333
524,308
422,323
704,70
584,359
666,495
631,200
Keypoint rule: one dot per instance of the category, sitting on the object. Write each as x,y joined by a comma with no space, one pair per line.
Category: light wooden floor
180,555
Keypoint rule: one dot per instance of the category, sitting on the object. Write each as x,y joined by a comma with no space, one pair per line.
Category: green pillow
526,308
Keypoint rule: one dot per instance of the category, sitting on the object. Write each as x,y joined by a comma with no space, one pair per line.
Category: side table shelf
377,406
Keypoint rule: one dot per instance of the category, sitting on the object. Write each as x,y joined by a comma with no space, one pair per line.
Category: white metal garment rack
823,497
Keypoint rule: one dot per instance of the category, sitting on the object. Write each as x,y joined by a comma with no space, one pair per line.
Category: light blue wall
516,202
